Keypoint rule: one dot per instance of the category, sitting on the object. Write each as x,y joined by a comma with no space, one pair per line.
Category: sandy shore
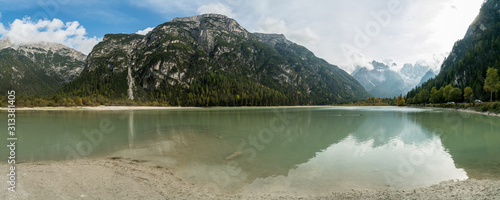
120,178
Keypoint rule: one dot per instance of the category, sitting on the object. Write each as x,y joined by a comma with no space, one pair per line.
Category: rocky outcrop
273,39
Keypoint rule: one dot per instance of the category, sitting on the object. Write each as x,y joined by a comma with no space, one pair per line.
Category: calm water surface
300,149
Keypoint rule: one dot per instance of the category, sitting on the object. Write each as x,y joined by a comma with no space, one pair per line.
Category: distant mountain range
384,82
38,68
471,57
206,60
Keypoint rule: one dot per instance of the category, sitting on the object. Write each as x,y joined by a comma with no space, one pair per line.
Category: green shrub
495,107
484,108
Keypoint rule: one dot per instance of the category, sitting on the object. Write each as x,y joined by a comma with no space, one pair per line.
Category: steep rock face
204,57
114,51
38,68
470,57
273,39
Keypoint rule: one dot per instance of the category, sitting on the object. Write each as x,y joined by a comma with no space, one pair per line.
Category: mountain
429,75
380,81
211,60
416,71
38,69
413,74
383,82
473,55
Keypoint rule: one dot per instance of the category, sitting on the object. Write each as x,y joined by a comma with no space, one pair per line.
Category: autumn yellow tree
401,101
468,94
492,83
78,101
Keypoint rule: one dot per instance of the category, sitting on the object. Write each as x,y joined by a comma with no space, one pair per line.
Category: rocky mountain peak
200,18
43,48
416,71
272,39
210,23
206,30
379,65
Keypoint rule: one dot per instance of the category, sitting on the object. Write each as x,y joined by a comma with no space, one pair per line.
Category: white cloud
358,62
272,25
216,8
301,36
304,36
145,31
71,34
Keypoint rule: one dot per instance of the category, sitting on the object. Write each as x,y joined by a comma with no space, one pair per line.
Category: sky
347,33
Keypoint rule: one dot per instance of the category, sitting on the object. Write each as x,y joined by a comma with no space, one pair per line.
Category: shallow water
299,149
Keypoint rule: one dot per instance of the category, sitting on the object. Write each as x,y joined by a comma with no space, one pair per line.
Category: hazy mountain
416,71
429,75
212,60
473,55
38,68
412,75
380,81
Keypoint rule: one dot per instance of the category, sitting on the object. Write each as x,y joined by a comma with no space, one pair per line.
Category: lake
300,149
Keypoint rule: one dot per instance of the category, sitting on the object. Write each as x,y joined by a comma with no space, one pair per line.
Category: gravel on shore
119,178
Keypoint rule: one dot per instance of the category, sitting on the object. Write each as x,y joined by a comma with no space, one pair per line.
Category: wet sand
120,178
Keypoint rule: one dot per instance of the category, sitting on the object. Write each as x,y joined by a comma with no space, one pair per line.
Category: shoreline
467,110
131,108
98,108
104,108
122,178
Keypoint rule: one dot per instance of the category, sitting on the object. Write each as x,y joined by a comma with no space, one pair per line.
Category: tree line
211,89
449,93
